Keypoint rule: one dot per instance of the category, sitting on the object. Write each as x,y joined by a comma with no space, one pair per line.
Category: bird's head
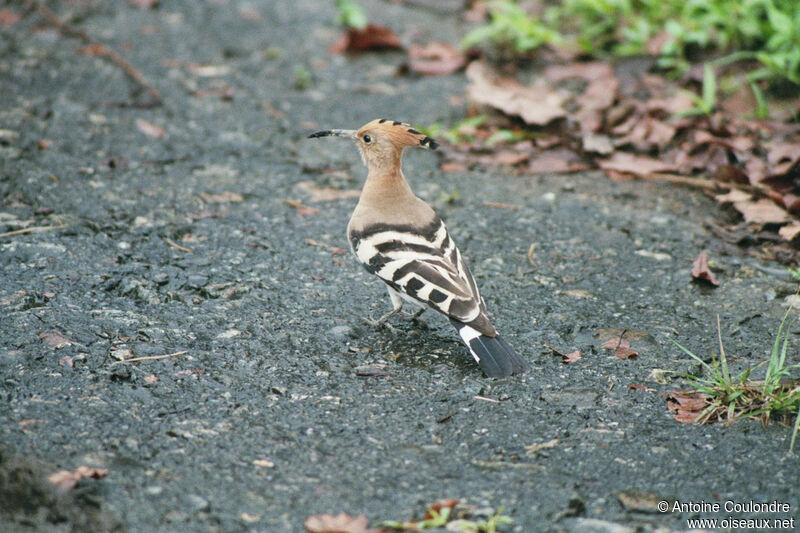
381,142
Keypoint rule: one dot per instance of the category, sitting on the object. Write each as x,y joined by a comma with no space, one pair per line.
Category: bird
400,239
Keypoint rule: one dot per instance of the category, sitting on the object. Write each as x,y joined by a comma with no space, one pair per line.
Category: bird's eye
367,139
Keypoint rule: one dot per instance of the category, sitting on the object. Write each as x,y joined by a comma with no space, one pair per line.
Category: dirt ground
168,232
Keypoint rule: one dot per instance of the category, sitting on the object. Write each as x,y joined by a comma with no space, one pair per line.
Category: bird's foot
382,321
412,316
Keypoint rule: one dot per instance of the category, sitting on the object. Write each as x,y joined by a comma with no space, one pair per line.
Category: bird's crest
399,133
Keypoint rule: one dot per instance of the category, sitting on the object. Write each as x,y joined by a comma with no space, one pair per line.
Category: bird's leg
397,305
413,316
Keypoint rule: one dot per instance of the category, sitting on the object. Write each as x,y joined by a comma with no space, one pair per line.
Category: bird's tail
494,355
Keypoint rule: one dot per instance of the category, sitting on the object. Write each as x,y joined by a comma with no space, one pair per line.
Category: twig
98,49
702,183
152,357
485,399
32,229
177,246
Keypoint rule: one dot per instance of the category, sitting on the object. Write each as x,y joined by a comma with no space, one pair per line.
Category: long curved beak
337,133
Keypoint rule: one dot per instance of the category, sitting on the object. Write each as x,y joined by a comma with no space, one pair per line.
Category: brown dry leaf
621,346
151,130
341,523
502,158
326,194
701,271
688,406
649,133
586,71
737,143
537,105
782,153
556,161
144,4
55,339
597,143
566,358
8,18
453,166
600,93
302,210
66,479
730,174
371,37
435,59
639,387
677,103
762,211
735,195
151,378
225,197
635,164
790,231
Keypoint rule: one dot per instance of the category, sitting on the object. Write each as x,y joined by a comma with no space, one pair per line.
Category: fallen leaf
503,158
66,479
566,358
621,346
341,523
634,164
66,361
326,194
586,71
597,143
151,130
371,37
221,198
701,271
782,153
790,231
762,211
435,59
730,174
55,339
639,387
302,210
144,4
453,166
556,161
688,406
537,105
151,378
8,18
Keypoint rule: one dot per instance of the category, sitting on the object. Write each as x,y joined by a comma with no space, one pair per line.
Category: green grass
350,15
732,396
764,32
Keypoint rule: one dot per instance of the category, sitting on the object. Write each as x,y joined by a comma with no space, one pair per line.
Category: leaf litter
647,127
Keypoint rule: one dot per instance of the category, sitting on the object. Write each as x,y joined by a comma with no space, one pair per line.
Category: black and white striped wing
423,263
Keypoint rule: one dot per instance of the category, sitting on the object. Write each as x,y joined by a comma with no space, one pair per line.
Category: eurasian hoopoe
399,238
